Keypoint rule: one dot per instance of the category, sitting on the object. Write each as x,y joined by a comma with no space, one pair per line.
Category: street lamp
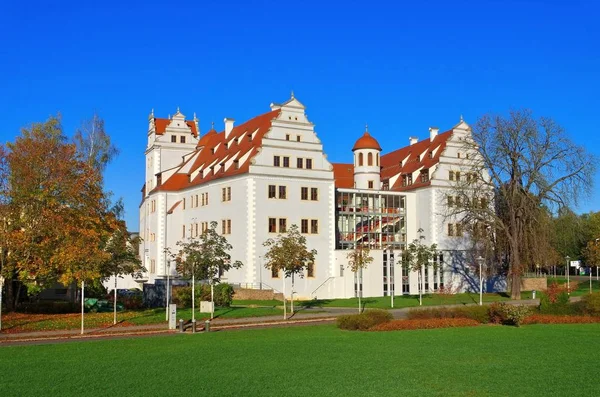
168,295
567,272
480,260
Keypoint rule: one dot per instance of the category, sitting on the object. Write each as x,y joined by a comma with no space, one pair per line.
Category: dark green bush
560,306
363,321
503,313
49,307
182,296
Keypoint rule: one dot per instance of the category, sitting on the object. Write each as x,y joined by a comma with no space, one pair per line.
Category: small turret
367,173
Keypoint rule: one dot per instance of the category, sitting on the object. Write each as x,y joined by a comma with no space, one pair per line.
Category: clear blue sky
400,66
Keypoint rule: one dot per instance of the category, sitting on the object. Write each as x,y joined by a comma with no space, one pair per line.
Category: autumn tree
358,260
417,257
206,257
288,253
516,165
56,216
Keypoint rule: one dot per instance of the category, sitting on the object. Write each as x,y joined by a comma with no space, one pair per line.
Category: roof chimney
228,126
413,140
433,131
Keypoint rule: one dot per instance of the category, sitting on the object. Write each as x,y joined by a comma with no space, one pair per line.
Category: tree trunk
515,272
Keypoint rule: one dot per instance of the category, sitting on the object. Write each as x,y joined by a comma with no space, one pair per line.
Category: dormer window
430,155
236,165
424,175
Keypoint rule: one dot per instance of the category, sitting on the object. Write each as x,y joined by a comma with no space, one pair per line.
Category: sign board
172,316
206,307
575,264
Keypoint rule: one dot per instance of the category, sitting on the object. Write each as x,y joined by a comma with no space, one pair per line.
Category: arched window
377,159
370,159
360,159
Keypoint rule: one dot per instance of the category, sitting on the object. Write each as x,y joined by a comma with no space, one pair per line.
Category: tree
417,256
206,258
359,259
56,216
517,165
123,258
93,143
288,253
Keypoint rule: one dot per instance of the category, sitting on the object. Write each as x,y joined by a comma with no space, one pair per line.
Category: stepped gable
215,155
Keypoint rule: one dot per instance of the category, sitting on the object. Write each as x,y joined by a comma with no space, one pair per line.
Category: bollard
207,326
193,326
180,325
533,294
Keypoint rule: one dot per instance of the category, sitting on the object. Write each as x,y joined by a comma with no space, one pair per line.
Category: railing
322,284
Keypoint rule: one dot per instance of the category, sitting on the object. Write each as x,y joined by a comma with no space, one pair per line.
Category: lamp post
1,288
567,272
168,294
480,260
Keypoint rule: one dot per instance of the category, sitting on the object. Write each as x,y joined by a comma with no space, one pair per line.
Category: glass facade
374,220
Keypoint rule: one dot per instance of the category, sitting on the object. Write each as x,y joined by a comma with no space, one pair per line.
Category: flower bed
430,323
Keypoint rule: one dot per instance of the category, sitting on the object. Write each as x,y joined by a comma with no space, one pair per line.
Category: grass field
316,361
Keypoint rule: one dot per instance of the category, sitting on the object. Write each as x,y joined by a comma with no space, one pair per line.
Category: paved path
304,316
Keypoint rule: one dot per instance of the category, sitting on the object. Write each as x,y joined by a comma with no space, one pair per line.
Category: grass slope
315,361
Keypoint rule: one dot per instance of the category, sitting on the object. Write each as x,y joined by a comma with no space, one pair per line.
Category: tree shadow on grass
313,303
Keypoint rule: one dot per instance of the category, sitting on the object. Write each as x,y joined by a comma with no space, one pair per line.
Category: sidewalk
302,317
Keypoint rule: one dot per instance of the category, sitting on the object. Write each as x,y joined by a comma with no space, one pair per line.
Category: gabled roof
216,156
402,161
160,126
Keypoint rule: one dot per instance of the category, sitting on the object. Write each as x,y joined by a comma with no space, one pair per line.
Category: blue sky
400,66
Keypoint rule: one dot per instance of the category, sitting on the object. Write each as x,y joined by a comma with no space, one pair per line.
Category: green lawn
316,361
412,301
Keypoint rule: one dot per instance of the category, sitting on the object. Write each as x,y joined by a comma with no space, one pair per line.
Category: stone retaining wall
257,294
530,284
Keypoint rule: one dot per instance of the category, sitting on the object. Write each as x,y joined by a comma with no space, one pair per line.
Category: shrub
477,313
428,323
223,295
502,313
554,319
182,296
363,321
591,304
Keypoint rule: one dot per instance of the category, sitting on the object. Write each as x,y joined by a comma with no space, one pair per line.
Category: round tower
366,162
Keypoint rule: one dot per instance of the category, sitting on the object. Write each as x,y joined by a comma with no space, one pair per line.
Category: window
370,159
286,162
204,227
457,175
310,270
196,229
300,162
303,193
182,139
287,137
276,161
341,270
152,266
274,189
183,231
282,225
377,157
430,155
236,164
455,229
309,164
360,159
450,201
153,206
386,185
282,192
450,229
458,155
183,203
314,226
314,194
451,175
272,225
173,138
225,226
371,184
297,138
406,179
424,175
304,226
226,194
274,272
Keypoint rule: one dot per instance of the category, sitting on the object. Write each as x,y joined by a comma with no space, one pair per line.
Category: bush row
557,319
363,321
477,313
182,296
429,323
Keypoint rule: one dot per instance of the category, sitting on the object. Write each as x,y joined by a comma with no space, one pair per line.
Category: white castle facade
258,178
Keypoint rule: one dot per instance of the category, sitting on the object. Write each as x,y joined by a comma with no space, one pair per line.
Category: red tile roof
213,150
161,126
392,164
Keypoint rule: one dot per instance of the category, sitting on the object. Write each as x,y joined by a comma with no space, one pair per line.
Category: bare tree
94,144
359,259
515,167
